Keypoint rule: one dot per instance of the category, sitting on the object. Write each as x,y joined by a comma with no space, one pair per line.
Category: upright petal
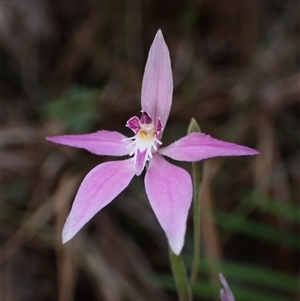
198,146
99,143
157,86
101,185
225,294
169,189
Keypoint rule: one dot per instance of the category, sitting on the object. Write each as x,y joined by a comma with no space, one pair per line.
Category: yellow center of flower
145,135
146,132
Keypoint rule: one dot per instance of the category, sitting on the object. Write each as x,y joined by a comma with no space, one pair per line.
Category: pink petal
99,143
225,294
169,189
157,87
101,185
197,146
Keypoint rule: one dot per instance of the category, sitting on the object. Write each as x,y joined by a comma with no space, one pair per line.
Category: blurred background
76,67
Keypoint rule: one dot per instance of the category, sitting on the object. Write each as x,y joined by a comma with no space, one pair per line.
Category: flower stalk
180,277
197,170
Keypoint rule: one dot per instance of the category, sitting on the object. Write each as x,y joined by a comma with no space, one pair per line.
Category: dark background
75,67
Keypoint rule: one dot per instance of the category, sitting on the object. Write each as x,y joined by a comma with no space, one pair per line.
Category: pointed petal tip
247,151
159,34
50,138
222,279
176,249
54,139
67,234
255,152
159,41
65,238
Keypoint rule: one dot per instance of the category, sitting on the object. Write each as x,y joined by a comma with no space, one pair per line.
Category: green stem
197,224
197,175
180,276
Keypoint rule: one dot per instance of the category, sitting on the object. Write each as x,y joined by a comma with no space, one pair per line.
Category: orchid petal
101,185
157,86
225,294
100,143
198,146
169,189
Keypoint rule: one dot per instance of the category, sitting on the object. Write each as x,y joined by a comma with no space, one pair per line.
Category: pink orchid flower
168,187
225,293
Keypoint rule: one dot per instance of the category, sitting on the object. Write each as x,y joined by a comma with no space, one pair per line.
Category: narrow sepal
169,189
100,143
101,185
198,146
157,86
